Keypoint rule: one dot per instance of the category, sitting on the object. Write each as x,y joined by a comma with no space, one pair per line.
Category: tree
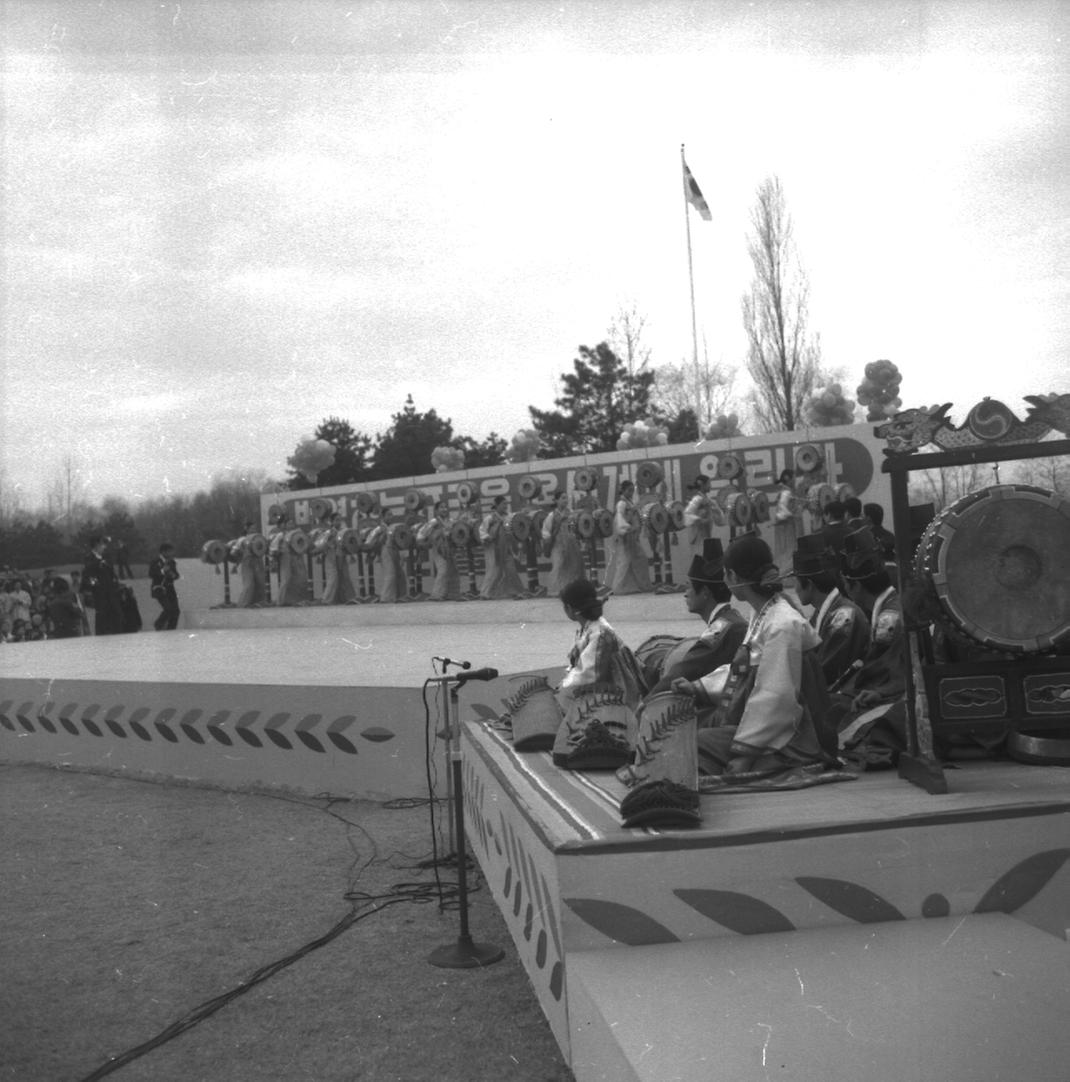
625,338
489,452
405,449
703,389
782,357
352,456
943,486
599,398
1052,473
683,428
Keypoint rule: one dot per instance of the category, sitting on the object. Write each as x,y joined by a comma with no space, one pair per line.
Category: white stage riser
365,743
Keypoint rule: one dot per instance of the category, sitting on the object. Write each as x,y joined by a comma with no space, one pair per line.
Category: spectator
65,612
21,602
163,571
122,561
100,584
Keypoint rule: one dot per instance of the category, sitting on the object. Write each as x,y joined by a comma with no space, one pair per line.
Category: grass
128,906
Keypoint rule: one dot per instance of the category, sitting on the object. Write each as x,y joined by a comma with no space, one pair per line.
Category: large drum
655,518
297,541
519,525
999,561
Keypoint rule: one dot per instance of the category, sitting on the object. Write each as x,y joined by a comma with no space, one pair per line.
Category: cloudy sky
225,220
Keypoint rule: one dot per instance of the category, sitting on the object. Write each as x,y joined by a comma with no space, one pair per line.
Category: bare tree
942,487
699,386
1051,473
783,357
625,338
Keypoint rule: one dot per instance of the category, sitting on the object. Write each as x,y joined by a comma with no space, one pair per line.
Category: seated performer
775,696
435,536
842,625
501,578
867,709
628,566
601,689
561,545
709,598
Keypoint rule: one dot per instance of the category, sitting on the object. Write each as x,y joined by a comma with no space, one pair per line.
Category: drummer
698,514
708,597
251,565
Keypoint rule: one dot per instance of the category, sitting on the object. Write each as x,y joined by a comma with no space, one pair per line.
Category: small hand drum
999,561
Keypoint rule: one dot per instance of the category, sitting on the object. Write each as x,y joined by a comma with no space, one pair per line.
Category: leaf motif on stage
738,912
377,734
620,922
854,901
1022,883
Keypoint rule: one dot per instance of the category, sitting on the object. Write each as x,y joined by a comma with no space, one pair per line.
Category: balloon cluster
829,406
524,446
879,391
642,434
722,427
311,456
447,459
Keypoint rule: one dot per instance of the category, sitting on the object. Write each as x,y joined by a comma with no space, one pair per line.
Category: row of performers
490,540
793,691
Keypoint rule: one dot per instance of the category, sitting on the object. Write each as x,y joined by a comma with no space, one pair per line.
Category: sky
226,220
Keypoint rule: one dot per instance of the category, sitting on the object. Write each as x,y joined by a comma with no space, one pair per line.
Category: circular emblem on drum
808,457
990,420
656,517
585,479
585,524
648,474
999,561
729,467
529,487
402,536
297,541
213,552
461,533
603,519
519,525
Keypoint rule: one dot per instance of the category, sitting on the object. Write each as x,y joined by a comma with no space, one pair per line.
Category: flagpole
690,265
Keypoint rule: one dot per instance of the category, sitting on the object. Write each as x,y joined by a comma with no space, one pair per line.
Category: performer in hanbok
293,568
628,570
338,588
699,514
561,545
501,578
435,537
786,515
841,624
390,575
601,689
775,696
708,597
251,566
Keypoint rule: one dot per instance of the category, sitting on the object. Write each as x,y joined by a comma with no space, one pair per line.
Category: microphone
476,674
449,661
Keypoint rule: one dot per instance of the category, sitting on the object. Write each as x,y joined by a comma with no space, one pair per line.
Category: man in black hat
709,598
867,709
842,625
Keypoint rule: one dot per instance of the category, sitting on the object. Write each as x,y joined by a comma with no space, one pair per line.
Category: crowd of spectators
53,606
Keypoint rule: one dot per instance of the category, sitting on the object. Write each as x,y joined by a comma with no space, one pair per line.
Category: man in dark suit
101,587
163,572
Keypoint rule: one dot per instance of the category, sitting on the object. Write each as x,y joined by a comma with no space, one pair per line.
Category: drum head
258,544
402,536
676,515
604,521
366,502
760,504
729,467
213,552
656,517
529,488
414,500
999,561
739,509
648,474
466,493
298,541
585,479
808,458
585,524
520,526
350,542
460,533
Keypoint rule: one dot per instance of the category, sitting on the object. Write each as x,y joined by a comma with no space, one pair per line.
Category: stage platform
856,930
313,699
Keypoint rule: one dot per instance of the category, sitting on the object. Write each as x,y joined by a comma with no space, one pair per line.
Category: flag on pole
695,197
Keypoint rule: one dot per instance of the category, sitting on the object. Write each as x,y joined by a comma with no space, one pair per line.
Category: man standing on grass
162,574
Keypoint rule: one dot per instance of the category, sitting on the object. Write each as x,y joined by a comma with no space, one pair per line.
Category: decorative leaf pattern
854,901
1022,883
738,912
620,922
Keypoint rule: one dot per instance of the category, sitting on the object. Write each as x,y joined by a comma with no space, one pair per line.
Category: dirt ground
131,909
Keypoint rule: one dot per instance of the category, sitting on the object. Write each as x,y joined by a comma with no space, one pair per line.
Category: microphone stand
465,953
